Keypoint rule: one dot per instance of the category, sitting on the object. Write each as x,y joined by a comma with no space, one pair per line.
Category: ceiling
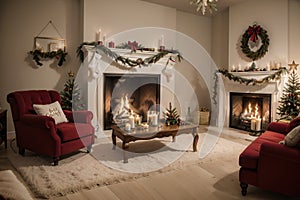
184,5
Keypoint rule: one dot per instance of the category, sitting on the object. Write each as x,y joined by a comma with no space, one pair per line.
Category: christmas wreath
253,33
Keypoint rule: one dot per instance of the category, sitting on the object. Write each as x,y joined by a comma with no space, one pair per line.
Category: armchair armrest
38,121
80,116
278,127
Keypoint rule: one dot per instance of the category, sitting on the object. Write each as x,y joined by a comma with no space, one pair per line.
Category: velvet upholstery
269,165
40,134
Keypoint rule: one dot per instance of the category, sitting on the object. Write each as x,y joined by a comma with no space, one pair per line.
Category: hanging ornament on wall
255,42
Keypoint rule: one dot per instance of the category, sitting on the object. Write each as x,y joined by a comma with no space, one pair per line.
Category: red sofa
41,134
269,165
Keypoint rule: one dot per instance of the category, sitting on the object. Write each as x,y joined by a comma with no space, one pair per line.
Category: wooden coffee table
152,132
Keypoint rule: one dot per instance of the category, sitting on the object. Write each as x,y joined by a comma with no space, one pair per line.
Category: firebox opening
245,107
125,93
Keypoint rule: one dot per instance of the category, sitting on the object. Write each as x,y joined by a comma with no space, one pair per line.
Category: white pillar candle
138,120
155,119
99,35
253,124
131,121
127,127
258,124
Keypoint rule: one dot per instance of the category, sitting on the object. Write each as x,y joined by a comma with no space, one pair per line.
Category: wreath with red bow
252,34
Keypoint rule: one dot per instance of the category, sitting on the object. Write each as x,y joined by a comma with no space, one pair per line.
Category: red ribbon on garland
254,31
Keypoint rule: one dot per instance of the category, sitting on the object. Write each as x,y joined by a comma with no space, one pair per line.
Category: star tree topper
293,66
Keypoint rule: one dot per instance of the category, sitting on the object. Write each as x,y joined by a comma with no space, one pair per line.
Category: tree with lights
71,95
289,103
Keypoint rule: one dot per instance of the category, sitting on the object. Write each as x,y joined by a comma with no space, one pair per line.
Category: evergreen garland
253,81
39,55
126,61
251,34
290,101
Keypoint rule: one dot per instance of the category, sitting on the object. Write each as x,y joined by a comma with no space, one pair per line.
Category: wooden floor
193,182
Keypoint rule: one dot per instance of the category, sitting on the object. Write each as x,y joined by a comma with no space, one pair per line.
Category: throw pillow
52,110
292,138
294,123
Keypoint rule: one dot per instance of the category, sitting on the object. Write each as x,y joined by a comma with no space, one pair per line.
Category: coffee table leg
114,139
196,138
124,152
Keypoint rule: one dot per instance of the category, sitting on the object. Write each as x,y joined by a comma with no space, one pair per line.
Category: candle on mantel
99,35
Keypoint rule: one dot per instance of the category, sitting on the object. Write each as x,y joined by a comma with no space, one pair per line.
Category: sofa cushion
73,131
53,110
292,138
249,157
294,123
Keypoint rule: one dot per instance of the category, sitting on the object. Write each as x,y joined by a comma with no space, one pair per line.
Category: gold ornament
293,66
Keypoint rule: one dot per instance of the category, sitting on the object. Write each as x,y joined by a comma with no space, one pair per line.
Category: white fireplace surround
96,65
274,88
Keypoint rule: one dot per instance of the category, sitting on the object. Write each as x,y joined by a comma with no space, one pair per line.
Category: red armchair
40,134
269,165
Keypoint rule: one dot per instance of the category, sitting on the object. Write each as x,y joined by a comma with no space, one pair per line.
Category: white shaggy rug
105,166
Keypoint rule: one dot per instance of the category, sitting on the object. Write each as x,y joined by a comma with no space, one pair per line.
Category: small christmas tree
290,100
70,96
171,116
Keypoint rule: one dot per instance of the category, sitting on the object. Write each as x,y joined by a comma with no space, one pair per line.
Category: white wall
220,37
20,22
272,15
294,31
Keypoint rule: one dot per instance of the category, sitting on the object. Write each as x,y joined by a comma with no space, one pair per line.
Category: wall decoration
49,47
127,62
255,37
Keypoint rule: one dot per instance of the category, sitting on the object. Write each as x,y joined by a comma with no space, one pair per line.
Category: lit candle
138,120
127,127
240,67
233,67
253,123
131,121
99,35
155,119
258,124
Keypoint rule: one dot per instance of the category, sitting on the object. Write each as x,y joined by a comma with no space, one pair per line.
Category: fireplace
246,107
126,93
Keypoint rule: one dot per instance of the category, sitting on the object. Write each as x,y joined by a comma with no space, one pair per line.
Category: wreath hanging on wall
254,36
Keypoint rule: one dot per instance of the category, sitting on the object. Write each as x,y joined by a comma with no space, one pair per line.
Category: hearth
126,93
249,111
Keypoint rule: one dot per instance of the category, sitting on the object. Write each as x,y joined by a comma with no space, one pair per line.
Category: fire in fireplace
125,93
250,111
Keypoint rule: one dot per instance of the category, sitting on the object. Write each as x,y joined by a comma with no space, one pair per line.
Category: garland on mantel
253,81
127,61
247,81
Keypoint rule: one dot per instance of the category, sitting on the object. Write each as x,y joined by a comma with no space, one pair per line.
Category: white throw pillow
293,137
52,110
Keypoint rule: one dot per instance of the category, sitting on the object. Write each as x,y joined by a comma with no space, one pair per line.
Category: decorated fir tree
289,103
171,116
71,95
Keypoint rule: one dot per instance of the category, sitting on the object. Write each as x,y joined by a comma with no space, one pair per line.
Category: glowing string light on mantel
204,5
